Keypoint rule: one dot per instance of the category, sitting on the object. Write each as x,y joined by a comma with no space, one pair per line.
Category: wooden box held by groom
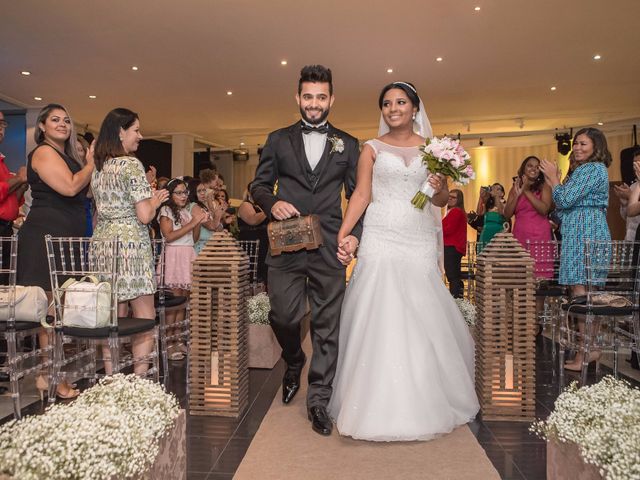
295,234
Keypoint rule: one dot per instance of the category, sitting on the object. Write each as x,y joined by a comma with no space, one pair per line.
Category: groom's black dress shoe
320,421
290,386
291,382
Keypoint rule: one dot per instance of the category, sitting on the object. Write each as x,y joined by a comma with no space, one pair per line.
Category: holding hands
347,247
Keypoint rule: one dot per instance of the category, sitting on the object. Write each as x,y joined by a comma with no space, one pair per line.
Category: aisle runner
285,448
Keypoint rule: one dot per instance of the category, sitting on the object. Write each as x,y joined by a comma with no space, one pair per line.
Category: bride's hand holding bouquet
446,157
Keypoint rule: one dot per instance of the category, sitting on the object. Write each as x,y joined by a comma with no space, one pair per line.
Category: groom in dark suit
311,161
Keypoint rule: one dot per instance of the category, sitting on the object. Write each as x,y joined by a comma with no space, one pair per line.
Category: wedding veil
421,124
422,127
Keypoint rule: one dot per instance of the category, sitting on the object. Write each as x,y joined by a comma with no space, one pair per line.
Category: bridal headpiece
421,124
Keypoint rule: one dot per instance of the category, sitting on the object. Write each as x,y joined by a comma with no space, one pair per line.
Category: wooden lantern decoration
505,331
218,360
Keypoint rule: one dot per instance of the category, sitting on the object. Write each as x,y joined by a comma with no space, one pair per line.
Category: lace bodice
398,173
392,225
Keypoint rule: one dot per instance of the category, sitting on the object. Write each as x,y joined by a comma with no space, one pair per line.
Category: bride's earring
413,117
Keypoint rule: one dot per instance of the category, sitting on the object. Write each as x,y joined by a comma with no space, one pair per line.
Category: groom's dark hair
315,74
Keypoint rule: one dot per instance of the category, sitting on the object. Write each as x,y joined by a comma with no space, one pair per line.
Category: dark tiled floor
216,445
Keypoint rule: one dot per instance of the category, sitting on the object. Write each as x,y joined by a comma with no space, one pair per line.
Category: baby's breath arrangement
468,310
259,307
604,421
112,430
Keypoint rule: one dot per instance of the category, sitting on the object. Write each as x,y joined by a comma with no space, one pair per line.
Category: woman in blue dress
582,203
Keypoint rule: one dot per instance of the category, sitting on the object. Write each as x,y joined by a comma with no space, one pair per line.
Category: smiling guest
529,202
58,182
582,203
126,204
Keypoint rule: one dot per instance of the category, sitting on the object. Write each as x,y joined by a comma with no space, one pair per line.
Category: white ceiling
499,63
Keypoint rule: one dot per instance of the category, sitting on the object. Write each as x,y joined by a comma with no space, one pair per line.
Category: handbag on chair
87,303
30,304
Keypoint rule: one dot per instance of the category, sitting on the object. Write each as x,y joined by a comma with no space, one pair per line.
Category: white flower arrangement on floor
113,430
259,307
468,310
603,420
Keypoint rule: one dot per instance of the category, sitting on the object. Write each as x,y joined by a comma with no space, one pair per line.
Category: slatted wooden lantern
218,360
505,331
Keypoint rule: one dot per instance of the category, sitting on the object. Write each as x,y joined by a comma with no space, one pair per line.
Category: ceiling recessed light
229,92
134,68
439,59
597,57
600,123
283,62
477,9
389,70
37,98
553,89
25,73
92,97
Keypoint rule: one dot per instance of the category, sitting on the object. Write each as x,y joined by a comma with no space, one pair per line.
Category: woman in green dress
492,205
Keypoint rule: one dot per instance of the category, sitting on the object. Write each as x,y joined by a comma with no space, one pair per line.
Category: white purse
87,303
30,304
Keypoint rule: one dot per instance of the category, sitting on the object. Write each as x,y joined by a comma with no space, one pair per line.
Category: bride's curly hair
406,87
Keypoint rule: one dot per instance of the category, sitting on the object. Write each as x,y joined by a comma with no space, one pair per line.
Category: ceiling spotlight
25,73
439,59
37,98
564,143
134,68
553,89
92,97
477,9
229,92
283,62
389,70
597,57
600,123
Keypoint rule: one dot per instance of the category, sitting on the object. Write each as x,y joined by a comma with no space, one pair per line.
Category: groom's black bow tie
319,129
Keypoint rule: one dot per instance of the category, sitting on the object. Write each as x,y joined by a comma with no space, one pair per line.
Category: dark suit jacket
283,160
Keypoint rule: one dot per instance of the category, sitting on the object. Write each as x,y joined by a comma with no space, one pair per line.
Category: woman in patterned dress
582,203
125,204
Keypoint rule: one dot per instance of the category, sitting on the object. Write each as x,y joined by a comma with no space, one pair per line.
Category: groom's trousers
324,285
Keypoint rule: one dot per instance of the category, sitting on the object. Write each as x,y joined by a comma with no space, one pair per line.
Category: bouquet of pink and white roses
446,156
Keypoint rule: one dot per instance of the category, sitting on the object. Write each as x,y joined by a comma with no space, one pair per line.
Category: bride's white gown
406,363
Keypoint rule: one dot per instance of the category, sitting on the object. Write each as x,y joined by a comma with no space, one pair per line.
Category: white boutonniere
337,145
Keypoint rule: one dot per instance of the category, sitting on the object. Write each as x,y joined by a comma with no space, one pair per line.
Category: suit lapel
325,160
295,136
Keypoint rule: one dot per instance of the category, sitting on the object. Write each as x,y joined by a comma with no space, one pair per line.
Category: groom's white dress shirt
314,144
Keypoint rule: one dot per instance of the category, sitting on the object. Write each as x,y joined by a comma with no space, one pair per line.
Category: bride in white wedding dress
406,362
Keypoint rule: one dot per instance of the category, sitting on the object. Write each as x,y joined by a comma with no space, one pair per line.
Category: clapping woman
58,180
126,204
529,202
582,203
